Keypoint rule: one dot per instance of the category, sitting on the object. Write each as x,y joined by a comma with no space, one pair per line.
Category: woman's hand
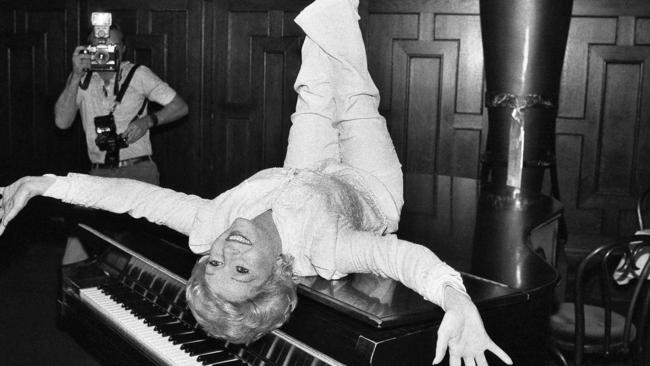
462,332
15,196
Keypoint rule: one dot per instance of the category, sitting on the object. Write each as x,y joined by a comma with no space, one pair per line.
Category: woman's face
242,259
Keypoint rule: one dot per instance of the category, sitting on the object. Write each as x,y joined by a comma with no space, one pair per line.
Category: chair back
643,211
615,264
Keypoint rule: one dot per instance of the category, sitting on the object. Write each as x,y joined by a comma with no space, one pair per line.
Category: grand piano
126,303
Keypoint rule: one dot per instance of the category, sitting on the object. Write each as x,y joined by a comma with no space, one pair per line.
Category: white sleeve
159,205
414,265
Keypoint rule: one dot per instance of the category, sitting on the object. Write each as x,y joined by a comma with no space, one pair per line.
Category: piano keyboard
144,303
147,337
172,342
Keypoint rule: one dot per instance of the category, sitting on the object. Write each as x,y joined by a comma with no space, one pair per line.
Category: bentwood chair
643,212
590,326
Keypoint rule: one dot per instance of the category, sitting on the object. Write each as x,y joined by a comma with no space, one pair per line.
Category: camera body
108,140
104,56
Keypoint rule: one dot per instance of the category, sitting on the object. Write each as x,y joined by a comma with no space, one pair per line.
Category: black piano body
360,320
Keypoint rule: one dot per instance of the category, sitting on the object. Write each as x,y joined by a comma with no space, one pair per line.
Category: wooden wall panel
422,103
234,62
383,31
601,143
256,54
33,56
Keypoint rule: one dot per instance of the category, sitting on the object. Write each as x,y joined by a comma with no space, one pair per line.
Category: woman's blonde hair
245,321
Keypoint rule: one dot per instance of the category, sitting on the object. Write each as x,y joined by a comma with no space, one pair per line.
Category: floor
29,284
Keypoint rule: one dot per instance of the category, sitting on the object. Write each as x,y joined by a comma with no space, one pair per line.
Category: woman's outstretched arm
159,205
461,331
16,196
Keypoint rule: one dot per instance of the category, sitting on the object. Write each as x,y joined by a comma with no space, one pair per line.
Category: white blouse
328,220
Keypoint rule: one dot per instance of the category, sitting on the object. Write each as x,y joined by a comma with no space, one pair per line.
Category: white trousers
337,118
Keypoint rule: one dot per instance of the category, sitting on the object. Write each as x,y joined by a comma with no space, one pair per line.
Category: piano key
171,328
188,318
166,319
151,314
202,346
142,307
125,297
187,337
136,329
227,363
217,358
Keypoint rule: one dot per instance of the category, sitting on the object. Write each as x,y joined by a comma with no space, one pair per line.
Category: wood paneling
602,123
33,59
256,58
235,61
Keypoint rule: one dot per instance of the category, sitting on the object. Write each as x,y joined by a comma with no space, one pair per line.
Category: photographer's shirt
98,100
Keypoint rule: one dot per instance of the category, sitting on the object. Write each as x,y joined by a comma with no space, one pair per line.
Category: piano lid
385,303
378,302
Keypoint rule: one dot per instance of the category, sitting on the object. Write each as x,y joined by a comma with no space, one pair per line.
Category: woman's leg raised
363,139
312,137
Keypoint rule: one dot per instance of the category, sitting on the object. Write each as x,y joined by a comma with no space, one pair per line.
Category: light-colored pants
145,171
335,121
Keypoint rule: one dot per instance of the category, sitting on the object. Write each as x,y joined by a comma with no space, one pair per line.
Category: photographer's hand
136,129
15,196
80,61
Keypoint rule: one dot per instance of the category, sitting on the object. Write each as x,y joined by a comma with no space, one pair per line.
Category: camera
104,56
108,140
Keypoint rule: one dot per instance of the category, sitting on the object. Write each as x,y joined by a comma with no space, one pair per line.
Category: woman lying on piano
331,210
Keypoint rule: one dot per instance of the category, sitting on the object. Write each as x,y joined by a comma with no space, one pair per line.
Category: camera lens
101,56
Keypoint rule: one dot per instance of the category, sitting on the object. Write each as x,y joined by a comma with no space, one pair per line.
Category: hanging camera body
108,140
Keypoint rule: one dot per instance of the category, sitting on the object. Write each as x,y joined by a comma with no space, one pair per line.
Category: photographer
111,95
94,92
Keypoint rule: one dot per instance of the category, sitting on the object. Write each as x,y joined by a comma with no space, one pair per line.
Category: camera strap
122,90
83,84
142,108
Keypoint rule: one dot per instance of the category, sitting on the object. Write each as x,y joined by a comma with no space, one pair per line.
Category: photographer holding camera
112,95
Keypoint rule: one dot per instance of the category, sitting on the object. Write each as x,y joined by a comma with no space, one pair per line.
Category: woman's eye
214,263
241,269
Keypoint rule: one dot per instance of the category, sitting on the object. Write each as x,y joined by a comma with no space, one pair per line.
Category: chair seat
563,327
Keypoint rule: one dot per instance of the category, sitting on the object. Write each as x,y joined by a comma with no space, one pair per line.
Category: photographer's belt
122,163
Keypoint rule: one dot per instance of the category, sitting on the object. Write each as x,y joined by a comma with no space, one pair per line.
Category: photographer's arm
66,107
174,110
